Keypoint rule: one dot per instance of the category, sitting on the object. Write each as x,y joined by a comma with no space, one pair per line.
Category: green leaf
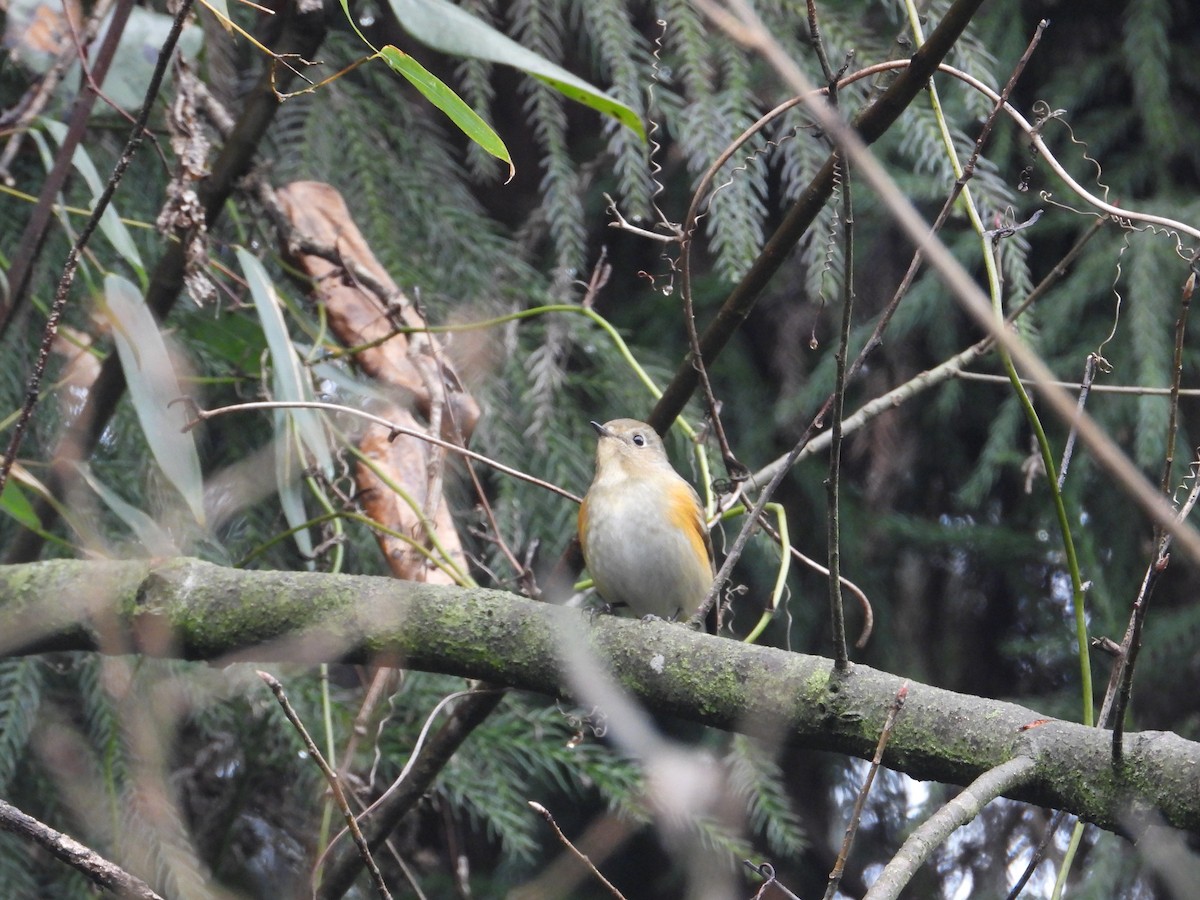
14,502
288,470
443,26
153,388
236,340
110,220
291,380
137,53
436,92
220,8
291,383
156,539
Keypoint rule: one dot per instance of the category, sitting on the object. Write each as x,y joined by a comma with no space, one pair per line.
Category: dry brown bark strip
364,308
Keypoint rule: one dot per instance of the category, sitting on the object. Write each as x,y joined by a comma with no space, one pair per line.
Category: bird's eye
639,440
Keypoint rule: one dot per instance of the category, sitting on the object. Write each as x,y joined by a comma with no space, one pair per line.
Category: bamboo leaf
292,382
137,50
156,539
437,93
295,429
288,469
111,225
220,9
14,502
443,26
153,386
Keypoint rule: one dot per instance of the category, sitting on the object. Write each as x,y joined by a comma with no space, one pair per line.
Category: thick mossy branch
195,610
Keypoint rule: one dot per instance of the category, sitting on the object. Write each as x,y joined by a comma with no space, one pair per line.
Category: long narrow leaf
292,381
294,428
288,468
14,502
137,52
110,220
153,387
445,27
436,92
156,539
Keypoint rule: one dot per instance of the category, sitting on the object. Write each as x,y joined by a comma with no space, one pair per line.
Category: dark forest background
944,525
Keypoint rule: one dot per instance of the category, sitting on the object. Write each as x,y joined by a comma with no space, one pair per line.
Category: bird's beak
601,430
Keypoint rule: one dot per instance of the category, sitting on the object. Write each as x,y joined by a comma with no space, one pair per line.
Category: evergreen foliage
962,562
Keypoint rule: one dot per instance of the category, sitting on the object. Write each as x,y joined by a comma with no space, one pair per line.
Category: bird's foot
597,607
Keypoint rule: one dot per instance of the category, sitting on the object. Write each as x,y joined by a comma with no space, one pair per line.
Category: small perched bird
642,526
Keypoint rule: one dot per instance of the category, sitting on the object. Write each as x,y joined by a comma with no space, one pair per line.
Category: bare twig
377,687
961,284
1132,643
623,224
835,877
25,256
335,783
1039,853
419,774
766,872
1134,390
91,75
857,592
575,851
1085,388
393,428
1120,651
94,867
814,36
1185,305
833,487
735,469
522,570
938,827
33,386
1123,217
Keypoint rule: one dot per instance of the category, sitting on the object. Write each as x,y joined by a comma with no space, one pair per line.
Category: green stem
1061,881
993,275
